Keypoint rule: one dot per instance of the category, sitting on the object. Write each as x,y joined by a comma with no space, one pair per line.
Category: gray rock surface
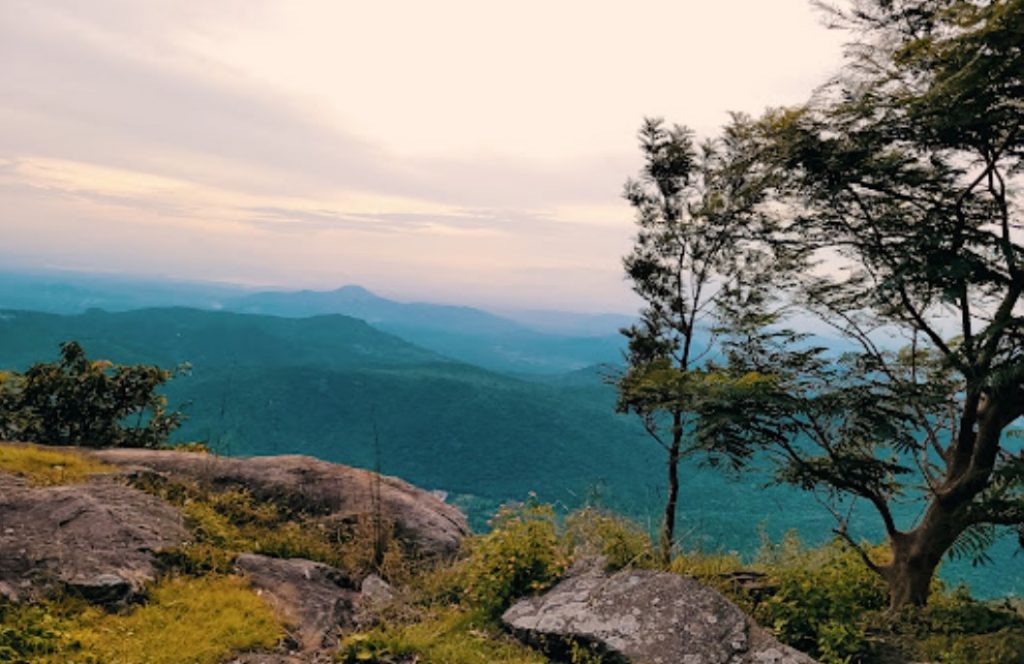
315,600
336,491
649,618
96,539
376,590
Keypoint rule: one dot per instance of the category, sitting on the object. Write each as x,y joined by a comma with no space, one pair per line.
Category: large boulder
315,600
421,519
648,618
96,539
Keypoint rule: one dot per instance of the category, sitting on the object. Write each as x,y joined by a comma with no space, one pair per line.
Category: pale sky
470,152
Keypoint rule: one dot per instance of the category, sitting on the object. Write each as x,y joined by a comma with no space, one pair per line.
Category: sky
466,152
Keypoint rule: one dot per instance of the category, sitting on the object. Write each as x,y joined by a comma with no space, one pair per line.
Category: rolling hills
339,389
319,385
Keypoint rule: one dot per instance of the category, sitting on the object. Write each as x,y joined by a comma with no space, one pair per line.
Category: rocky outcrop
96,539
315,600
339,492
646,617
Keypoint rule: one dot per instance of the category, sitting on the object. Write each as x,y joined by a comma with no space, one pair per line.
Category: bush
956,629
620,541
821,599
77,401
521,555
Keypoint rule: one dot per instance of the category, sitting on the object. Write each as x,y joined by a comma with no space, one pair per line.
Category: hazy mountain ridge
464,333
263,385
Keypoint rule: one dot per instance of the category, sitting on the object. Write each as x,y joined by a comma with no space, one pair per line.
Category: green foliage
820,600
521,555
956,629
29,632
444,636
225,523
77,401
689,208
43,467
902,175
620,541
201,621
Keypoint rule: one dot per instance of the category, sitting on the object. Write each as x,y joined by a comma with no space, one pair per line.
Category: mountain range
542,342
343,389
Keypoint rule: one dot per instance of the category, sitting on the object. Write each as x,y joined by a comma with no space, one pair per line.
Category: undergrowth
227,522
195,620
821,600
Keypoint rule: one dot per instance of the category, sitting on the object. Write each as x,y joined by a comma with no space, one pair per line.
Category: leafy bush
821,599
620,541
42,467
521,555
77,401
956,629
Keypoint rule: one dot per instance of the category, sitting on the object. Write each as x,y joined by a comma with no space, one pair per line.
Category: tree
77,401
896,191
690,202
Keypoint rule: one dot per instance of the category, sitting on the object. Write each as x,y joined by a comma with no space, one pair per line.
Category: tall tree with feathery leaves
896,190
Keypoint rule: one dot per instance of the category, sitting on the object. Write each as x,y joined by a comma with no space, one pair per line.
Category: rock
315,599
376,590
95,539
335,491
646,617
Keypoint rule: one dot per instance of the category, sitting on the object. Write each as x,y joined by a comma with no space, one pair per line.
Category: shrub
821,598
956,629
620,541
522,554
78,401
42,467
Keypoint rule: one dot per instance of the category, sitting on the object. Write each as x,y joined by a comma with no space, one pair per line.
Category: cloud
310,143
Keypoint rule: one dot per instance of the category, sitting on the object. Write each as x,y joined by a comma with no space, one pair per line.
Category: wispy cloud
312,143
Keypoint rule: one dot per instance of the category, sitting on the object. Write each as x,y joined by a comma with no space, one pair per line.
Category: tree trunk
668,527
916,556
910,578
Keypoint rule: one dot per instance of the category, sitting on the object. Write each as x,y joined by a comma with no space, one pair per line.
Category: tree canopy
890,203
78,401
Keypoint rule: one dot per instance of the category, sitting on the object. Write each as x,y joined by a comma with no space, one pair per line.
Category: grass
196,620
448,635
45,467
225,522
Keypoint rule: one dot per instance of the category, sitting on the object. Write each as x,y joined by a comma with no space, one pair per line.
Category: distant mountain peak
355,293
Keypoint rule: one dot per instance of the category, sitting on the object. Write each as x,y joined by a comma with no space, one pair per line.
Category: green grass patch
444,636
48,467
201,621
195,620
